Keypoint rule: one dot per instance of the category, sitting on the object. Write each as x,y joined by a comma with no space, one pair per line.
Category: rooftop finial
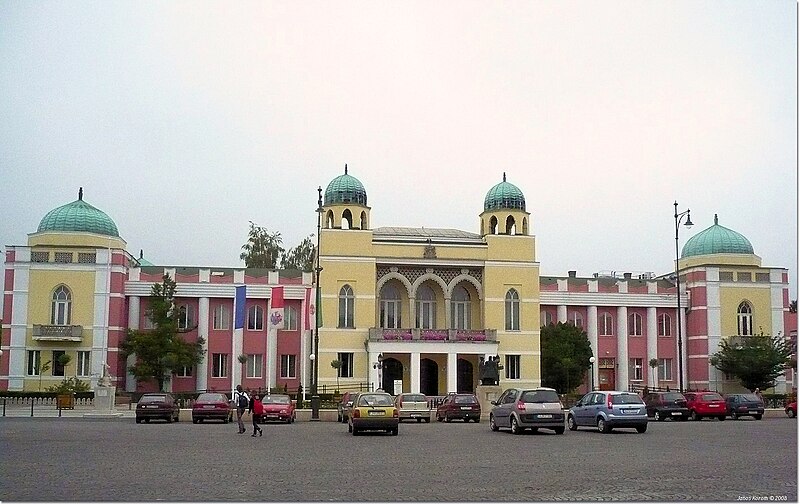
80,193
504,176
345,168
141,254
716,219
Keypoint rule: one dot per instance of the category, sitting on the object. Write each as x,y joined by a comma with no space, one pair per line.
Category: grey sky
184,120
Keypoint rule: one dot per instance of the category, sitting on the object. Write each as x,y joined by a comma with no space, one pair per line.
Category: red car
461,406
211,406
791,409
705,404
278,407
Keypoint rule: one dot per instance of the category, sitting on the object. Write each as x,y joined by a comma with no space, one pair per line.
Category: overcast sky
185,120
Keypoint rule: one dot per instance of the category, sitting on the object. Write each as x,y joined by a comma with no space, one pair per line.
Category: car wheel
757,417
602,425
657,416
194,421
428,420
571,423
395,431
447,419
177,418
355,431
721,418
169,419
696,417
791,413
492,425
438,418
138,420
349,427
419,420
559,430
515,428
641,429
734,416
339,417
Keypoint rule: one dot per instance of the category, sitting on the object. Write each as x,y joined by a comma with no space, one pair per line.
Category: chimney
572,273
627,276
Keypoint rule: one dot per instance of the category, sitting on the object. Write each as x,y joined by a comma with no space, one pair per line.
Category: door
464,383
428,377
607,379
392,370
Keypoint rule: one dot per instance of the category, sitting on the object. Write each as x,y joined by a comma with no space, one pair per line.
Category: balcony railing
57,332
447,335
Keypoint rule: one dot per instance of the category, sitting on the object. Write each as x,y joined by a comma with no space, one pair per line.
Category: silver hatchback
520,409
608,410
413,407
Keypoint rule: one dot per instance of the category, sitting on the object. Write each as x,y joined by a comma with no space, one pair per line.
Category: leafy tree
40,370
70,385
300,257
653,365
565,356
262,249
755,360
793,306
161,350
337,365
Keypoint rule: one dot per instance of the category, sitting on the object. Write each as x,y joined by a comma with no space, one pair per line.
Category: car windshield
712,397
626,399
375,400
212,398
540,396
276,400
414,398
751,397
674,396
153,398
466,399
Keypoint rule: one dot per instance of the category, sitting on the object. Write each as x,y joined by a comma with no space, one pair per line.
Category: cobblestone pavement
74,459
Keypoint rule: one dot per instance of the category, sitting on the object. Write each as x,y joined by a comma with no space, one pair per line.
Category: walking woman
256,411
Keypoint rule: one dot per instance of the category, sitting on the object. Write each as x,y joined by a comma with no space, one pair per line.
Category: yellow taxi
373,411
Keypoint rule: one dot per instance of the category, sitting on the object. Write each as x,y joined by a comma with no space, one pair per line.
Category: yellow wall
720,260
55,240
41,287
759,298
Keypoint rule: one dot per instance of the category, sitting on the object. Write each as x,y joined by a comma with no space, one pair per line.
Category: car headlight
283,411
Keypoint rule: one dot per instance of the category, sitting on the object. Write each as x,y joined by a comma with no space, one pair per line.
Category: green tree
653,365
300,257
161,350
755,360
565,356
793,306
40,370
337,365
263,249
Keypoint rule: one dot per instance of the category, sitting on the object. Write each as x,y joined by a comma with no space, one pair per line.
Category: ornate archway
428,377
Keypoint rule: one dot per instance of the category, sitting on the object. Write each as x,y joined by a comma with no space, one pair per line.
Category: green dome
345,189
717,240
504,195
78,216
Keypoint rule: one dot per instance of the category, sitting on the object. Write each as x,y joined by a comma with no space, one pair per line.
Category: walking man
242,402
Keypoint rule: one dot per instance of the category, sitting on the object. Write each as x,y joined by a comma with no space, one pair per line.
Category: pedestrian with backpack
256,411
241,401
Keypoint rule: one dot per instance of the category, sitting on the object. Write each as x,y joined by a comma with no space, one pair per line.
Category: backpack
243,402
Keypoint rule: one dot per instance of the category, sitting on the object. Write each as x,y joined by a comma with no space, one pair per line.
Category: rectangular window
726,276
606,325
186,318
147,323
222,318
87,258
254,364
58,368
84,363
636,369
184,372
34,362
665,369
664,325
288,366
40,257
635,324
290,322
346,358
219,367
63,257
744,277
255,318
512,367
762,277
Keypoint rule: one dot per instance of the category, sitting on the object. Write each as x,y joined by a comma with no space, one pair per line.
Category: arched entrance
464,378
428,377
392,370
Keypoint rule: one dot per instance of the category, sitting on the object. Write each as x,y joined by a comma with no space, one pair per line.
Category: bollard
31,407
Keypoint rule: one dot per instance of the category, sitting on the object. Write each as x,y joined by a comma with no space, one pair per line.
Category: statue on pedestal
105,380
490,370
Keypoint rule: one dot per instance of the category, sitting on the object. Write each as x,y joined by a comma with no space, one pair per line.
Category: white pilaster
415,372
561,313
202,332
652,344
452,372
591,326
685,353
373,371
19,322
622,348
134,312
99,354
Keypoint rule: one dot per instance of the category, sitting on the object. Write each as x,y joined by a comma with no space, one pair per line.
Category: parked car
278,407
345,403
528,408
663,405
211,406
461,406
609,410
791,409
160,405
740,405
373,411
413,406
705,404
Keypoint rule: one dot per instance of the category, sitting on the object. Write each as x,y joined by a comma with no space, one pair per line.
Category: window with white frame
184,372
460,311
512,367
606,323
744,316
288,366
664,325
254,364
576,319
634,324
635,370
665,369
346,369
255,318
390,307
84,363
512,310
221,317
186,316
219,365
426,308
290,319
346,307
34,362
61,309
546,318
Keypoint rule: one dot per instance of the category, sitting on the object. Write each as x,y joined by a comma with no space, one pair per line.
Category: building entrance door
428,377
392,370
464,379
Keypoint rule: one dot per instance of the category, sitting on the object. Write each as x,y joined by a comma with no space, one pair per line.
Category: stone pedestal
486,394
104,407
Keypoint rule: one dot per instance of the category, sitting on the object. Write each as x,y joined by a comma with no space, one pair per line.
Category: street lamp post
379,367
591,371
315,401
678,218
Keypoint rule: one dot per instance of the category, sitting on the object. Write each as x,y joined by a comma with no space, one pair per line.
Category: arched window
524,226
460,314
634,324
426,308
664,325
576,319
511,225
546,318
744,317
61,312
347,219
512,310
606,324
346,307
390,307
255,318
493,225
329,219
364,223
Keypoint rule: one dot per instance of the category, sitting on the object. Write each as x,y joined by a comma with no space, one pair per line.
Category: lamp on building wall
315,401
678,218
591,371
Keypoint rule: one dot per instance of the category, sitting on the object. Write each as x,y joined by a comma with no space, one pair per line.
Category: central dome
504,195
345,189
717,240
78,216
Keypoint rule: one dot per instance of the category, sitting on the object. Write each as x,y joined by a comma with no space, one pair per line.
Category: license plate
754,412
545,416
208,406
151,407
676,413
466,407
413,415
272,416
629,411
713,405
376,413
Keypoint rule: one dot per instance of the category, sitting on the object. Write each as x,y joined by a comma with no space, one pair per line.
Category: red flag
276,308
